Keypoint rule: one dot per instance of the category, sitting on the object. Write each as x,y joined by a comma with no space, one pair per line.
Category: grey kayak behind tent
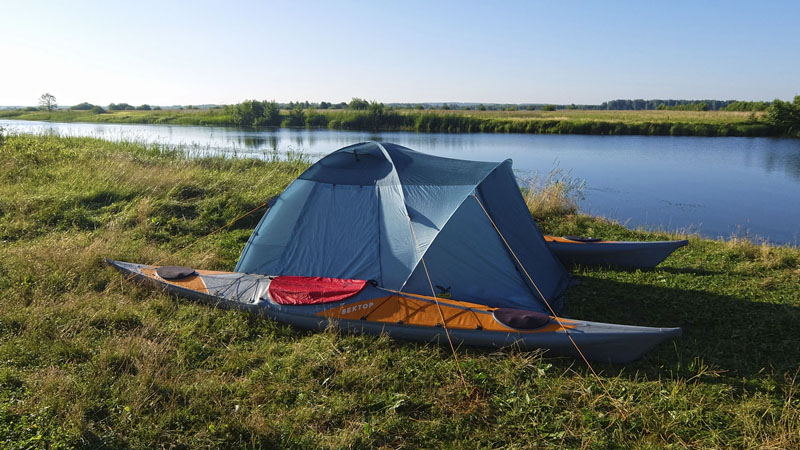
573,250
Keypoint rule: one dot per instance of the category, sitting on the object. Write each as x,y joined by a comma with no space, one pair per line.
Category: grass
88,359
656,122
611,115
556,195
166,116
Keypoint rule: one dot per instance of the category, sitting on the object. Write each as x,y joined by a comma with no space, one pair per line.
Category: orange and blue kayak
361,306
574,250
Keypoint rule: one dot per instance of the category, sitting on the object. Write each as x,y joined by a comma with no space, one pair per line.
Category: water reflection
786,158
717,186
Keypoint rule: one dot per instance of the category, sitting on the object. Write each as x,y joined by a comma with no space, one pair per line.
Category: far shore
576,121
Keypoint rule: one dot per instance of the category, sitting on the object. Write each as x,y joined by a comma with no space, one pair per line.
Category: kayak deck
373,310
630,254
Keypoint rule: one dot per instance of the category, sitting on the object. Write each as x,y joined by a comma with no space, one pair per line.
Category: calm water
714,186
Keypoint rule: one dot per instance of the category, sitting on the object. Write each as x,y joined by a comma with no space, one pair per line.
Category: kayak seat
175,272
520,318
582,239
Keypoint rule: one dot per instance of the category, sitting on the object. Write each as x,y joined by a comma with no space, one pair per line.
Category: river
717,187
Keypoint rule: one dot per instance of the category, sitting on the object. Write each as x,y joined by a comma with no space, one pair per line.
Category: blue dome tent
375,211
413,223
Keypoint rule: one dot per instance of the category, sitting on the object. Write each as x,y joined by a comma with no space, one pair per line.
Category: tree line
684,105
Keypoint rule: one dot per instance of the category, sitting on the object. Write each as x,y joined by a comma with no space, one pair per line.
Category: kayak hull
629,254
602,342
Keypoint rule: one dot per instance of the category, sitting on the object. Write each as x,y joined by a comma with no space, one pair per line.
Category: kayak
597,252
360,306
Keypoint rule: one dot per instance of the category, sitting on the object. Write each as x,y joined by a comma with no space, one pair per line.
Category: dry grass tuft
557,194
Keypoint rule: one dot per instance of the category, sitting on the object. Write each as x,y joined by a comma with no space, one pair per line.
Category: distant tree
144,107
419,107
98,110
253,113
340,105
376,108
481,107
297,118
358,103
85,106
324,105
549,108
746,106
572,106
271,115
156,108
785,116
119,107
47,101
682,105
247,113
445,106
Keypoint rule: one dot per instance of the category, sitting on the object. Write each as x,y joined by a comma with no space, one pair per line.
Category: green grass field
165,116
611,115
88,359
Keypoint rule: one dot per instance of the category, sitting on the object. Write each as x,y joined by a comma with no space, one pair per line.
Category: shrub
120,107
358,104
297,118
315,119
785,116
85,106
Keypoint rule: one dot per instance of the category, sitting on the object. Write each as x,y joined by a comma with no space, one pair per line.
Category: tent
377,211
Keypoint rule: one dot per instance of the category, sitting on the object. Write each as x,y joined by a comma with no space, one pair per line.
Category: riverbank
90,359
599,122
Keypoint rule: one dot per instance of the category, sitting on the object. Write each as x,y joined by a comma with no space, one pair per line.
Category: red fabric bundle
291,290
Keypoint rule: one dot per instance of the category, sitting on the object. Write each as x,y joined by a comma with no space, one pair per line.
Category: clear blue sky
193,52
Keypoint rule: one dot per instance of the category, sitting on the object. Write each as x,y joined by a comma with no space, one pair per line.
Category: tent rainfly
377,211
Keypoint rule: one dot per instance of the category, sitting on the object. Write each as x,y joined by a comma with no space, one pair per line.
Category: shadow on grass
736,336
680,270
674,270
